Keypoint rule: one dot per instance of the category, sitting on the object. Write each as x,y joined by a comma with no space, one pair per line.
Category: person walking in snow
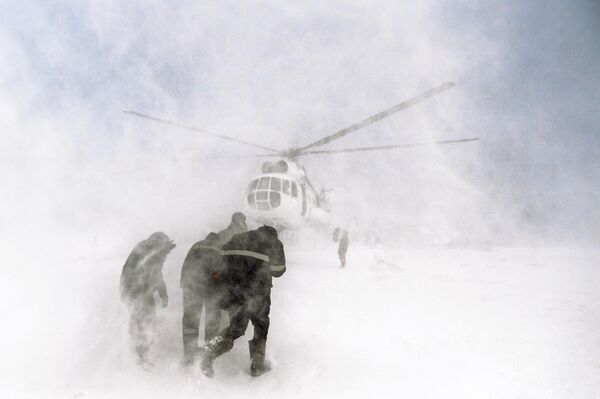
141,278
343,248
252,259
202,263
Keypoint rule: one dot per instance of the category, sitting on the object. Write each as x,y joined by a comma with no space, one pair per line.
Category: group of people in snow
229,271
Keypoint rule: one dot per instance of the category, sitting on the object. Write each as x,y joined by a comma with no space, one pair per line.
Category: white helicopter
282,194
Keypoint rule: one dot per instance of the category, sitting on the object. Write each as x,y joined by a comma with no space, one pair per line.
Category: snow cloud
82,182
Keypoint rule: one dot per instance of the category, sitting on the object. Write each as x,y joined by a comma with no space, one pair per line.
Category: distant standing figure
140,279
237,226
202,263
343,248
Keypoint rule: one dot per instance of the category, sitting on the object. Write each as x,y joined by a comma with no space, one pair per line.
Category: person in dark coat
202,263
343,248
141,278
251,260
237,226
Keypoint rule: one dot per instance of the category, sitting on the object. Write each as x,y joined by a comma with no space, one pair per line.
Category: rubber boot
209,352
190,346
259,365
206,366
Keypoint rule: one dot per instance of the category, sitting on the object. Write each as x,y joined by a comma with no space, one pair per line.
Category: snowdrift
418,323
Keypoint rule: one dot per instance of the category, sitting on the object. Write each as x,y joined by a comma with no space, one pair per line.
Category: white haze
82,182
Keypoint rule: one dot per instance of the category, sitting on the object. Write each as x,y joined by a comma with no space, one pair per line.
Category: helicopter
282,195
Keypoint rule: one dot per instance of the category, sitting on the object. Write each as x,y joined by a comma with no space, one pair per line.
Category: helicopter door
303,199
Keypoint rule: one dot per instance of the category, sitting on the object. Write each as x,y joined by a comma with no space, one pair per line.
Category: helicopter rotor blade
237,156
372,119
386,147
194,129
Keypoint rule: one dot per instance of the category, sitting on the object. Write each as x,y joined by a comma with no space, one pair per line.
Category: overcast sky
284,75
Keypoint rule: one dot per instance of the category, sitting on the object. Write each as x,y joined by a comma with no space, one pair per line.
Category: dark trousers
253,309
193,300
342,256
142,323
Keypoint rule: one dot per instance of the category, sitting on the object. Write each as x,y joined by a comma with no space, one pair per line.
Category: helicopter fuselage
283,196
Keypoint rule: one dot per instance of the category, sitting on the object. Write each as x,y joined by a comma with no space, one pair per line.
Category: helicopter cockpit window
275,199
294,190
262,195
264,183
286,187
275,184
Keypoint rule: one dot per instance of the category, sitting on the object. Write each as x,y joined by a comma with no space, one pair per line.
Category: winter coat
251,260
142,272
202,264
343,247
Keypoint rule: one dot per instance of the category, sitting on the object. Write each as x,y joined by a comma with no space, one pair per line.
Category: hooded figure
202,263
251,260
237,226
140,279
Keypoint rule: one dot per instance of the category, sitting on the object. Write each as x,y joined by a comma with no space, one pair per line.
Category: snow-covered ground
414,323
